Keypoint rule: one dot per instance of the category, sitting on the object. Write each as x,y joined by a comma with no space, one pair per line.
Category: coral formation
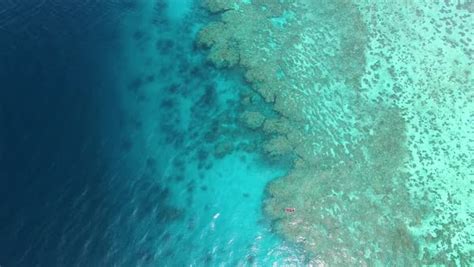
374,102
252,119
222,149
277,146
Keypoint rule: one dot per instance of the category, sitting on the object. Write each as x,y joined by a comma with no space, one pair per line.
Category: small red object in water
290,210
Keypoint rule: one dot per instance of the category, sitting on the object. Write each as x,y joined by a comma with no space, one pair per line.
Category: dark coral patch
173,88
165,46
168,103
126,145
151,163
209,98
135,85
138,35
202,155
179,177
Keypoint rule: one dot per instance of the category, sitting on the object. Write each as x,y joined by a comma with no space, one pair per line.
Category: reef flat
373,104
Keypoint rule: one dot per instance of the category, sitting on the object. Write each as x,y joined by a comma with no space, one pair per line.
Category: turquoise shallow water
197,181
186,204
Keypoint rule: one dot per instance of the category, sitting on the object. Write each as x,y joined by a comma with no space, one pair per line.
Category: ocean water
179,132
55,96
178,110
110,116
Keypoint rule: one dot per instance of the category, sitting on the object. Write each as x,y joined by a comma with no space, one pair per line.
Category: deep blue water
109,122
54,95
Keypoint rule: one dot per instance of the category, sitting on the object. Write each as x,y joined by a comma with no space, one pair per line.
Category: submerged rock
223,149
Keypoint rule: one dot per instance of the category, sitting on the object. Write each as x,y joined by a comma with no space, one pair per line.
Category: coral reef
277,146
374,101
354,212
252,119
